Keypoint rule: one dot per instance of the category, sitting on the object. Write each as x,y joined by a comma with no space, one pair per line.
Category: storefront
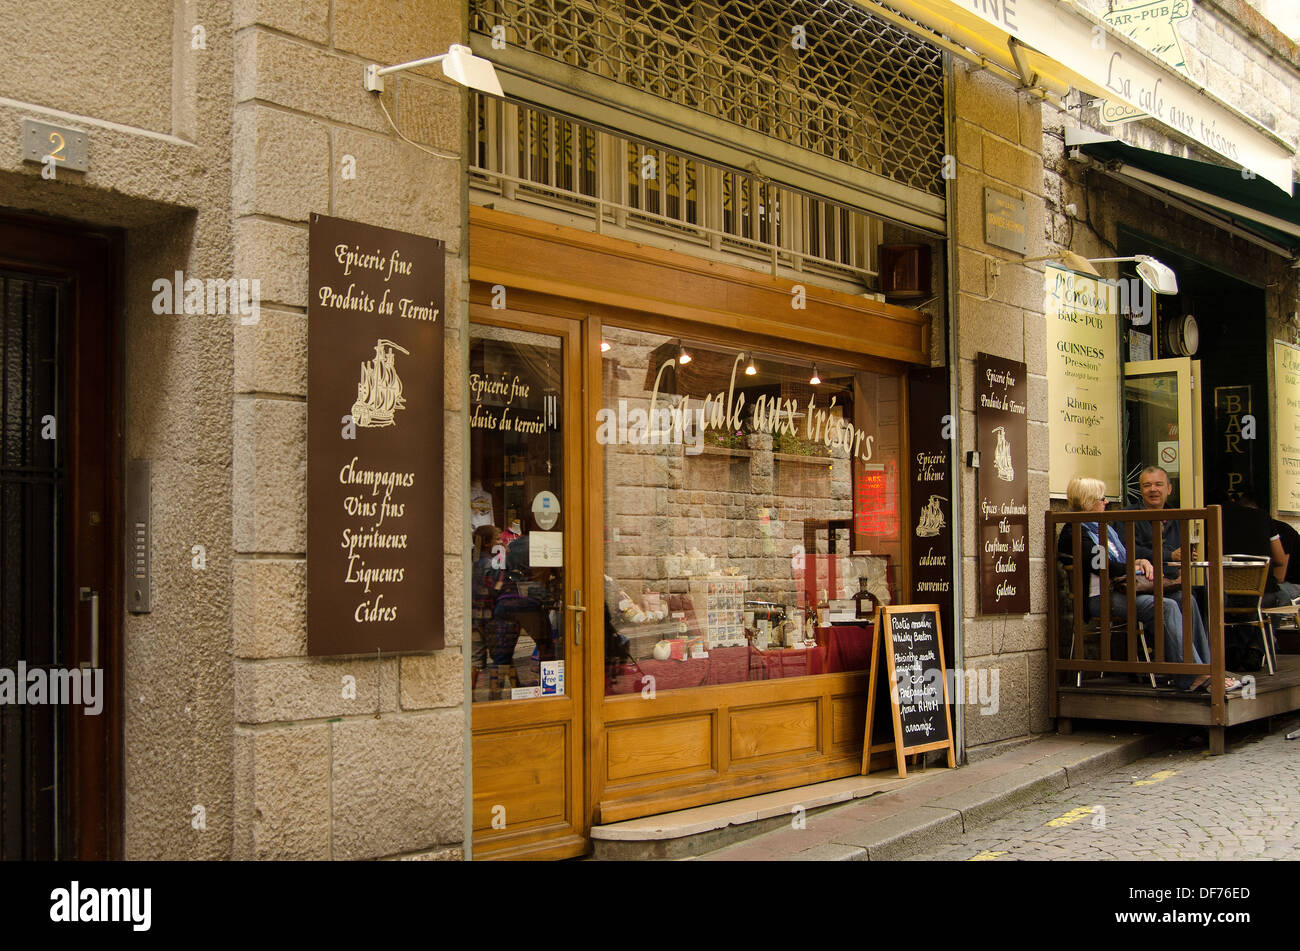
854,199
1196,356
672,499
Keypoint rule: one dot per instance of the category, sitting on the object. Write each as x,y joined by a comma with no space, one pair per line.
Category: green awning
1253,204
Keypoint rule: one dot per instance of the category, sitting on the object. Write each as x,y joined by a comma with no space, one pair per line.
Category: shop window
751,520
516,480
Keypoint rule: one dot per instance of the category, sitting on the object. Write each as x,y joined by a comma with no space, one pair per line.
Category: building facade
804,189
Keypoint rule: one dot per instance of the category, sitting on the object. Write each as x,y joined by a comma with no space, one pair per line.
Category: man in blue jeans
1088,495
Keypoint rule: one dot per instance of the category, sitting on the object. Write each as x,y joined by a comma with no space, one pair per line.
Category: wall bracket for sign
907,648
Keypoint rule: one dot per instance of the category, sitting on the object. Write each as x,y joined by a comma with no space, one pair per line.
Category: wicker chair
1243,591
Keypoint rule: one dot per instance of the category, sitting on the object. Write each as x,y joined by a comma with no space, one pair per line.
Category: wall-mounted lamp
683,357
1160,278
815,380
750,369
1155,275
458,64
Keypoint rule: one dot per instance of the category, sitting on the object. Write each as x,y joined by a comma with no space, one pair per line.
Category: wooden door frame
91,260
576,345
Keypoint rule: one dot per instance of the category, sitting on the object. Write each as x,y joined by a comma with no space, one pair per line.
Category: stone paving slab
935,807
1174,804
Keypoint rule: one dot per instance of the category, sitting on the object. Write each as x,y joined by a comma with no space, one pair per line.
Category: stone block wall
997,136
319,773
149,85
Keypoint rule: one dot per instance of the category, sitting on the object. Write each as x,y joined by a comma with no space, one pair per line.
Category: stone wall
150,87
997,136
317,775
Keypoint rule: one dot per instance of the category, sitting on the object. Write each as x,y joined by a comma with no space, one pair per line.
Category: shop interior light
605,346
683,357
750,369
459,64
816,380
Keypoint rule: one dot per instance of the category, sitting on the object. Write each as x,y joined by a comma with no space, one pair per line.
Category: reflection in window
516,482
751,518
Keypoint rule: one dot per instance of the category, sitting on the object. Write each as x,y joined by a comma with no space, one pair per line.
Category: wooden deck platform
1117,698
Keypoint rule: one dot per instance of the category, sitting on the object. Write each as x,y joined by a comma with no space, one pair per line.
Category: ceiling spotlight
605,346
816,380
750,369
682,356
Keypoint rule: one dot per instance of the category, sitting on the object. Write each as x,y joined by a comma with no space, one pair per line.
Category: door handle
91,595
579,611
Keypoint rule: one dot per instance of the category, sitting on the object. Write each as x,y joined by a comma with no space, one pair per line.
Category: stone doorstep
741,812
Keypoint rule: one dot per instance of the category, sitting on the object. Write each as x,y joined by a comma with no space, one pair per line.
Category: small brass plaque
67,147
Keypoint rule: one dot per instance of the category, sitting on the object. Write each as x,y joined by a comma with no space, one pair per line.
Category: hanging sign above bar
1073,45
374,439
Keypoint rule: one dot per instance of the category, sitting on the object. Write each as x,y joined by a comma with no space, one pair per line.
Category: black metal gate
32,767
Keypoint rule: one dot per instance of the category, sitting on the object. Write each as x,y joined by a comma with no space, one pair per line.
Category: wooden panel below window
524,771
708,744
760,732
848,721
660,747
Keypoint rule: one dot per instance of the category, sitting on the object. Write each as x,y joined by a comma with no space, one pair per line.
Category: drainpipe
954,405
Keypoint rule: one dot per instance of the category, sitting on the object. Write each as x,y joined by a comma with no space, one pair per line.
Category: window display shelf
807,460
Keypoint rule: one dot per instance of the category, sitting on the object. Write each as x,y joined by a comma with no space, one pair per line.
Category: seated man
1248,530
1156,487
1089,495
1289,579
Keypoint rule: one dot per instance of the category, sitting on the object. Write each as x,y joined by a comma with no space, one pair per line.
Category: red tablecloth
847,648
844,649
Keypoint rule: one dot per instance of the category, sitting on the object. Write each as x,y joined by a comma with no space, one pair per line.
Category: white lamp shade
1159,277
464,67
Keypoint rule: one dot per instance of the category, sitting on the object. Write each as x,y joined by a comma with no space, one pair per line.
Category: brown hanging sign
1002,484
374,439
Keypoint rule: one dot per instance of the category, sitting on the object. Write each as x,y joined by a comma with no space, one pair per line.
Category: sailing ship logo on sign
379,394
1002,456
931,522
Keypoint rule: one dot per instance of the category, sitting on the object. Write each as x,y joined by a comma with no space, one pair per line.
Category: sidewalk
897,818
944,803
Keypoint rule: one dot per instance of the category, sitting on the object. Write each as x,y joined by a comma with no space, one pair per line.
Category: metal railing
621,185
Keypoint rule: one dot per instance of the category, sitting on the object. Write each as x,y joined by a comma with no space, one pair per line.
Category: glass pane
1151,438
516,384
751,520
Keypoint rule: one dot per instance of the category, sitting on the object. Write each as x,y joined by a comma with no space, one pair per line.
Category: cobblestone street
1179,804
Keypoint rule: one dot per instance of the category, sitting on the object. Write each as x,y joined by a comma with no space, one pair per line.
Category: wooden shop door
531,599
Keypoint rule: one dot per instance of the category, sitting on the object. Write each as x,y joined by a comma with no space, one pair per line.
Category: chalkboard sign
911,666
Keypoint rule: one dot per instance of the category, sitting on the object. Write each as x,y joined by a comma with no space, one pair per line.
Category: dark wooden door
59,570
